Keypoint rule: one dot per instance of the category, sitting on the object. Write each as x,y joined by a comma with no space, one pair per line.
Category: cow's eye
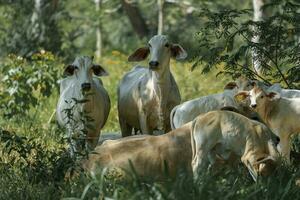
96,69
262,96
69,71
149,45
167,45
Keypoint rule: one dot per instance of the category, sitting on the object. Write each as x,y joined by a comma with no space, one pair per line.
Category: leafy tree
225,42
30,27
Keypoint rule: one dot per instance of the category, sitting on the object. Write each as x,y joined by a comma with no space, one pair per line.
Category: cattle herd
248,122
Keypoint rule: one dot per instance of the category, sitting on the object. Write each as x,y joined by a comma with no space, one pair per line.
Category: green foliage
26,81
68,28
30,29
31,157
78,128
225,39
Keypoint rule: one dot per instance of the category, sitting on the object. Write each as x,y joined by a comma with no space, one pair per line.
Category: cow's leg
199,162
126,129
144,127
284,148
167,125
92,140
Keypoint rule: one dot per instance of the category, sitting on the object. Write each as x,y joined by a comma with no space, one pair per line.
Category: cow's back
189,110
148,154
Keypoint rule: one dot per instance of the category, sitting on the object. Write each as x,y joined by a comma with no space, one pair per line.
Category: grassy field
34,164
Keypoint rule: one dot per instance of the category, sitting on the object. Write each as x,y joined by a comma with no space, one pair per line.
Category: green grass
35,167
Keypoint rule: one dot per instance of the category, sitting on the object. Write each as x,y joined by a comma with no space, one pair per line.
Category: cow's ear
230,86
178,52
99,71
241,96
69,70
139,54
273,96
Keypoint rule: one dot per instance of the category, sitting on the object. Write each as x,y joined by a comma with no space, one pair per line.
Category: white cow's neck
161,77
161,83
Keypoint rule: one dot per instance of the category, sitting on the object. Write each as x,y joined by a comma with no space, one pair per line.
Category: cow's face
257,97
82,71
160,50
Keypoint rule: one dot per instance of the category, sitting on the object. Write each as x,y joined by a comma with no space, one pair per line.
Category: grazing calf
151,156
225,134
81,86
189,110
279,113
146,96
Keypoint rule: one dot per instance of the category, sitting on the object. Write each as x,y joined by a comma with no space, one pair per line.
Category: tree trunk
160,27
36,11
137,21
98,52
37,27
258,15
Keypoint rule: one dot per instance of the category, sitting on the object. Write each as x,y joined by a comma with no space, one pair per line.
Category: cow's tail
172,114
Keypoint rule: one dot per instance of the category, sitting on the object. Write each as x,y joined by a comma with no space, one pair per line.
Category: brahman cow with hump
84,104
227,134
224,134
279,113
146,96
189,110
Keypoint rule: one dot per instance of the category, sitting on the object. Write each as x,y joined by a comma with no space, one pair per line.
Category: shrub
26,81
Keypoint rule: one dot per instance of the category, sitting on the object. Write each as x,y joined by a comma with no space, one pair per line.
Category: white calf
279,113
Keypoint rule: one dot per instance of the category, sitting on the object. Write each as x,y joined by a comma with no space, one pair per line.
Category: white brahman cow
146,96
84,104
189,110
279,113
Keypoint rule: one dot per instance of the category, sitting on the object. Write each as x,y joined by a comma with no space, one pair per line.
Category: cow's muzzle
86,87
153,65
